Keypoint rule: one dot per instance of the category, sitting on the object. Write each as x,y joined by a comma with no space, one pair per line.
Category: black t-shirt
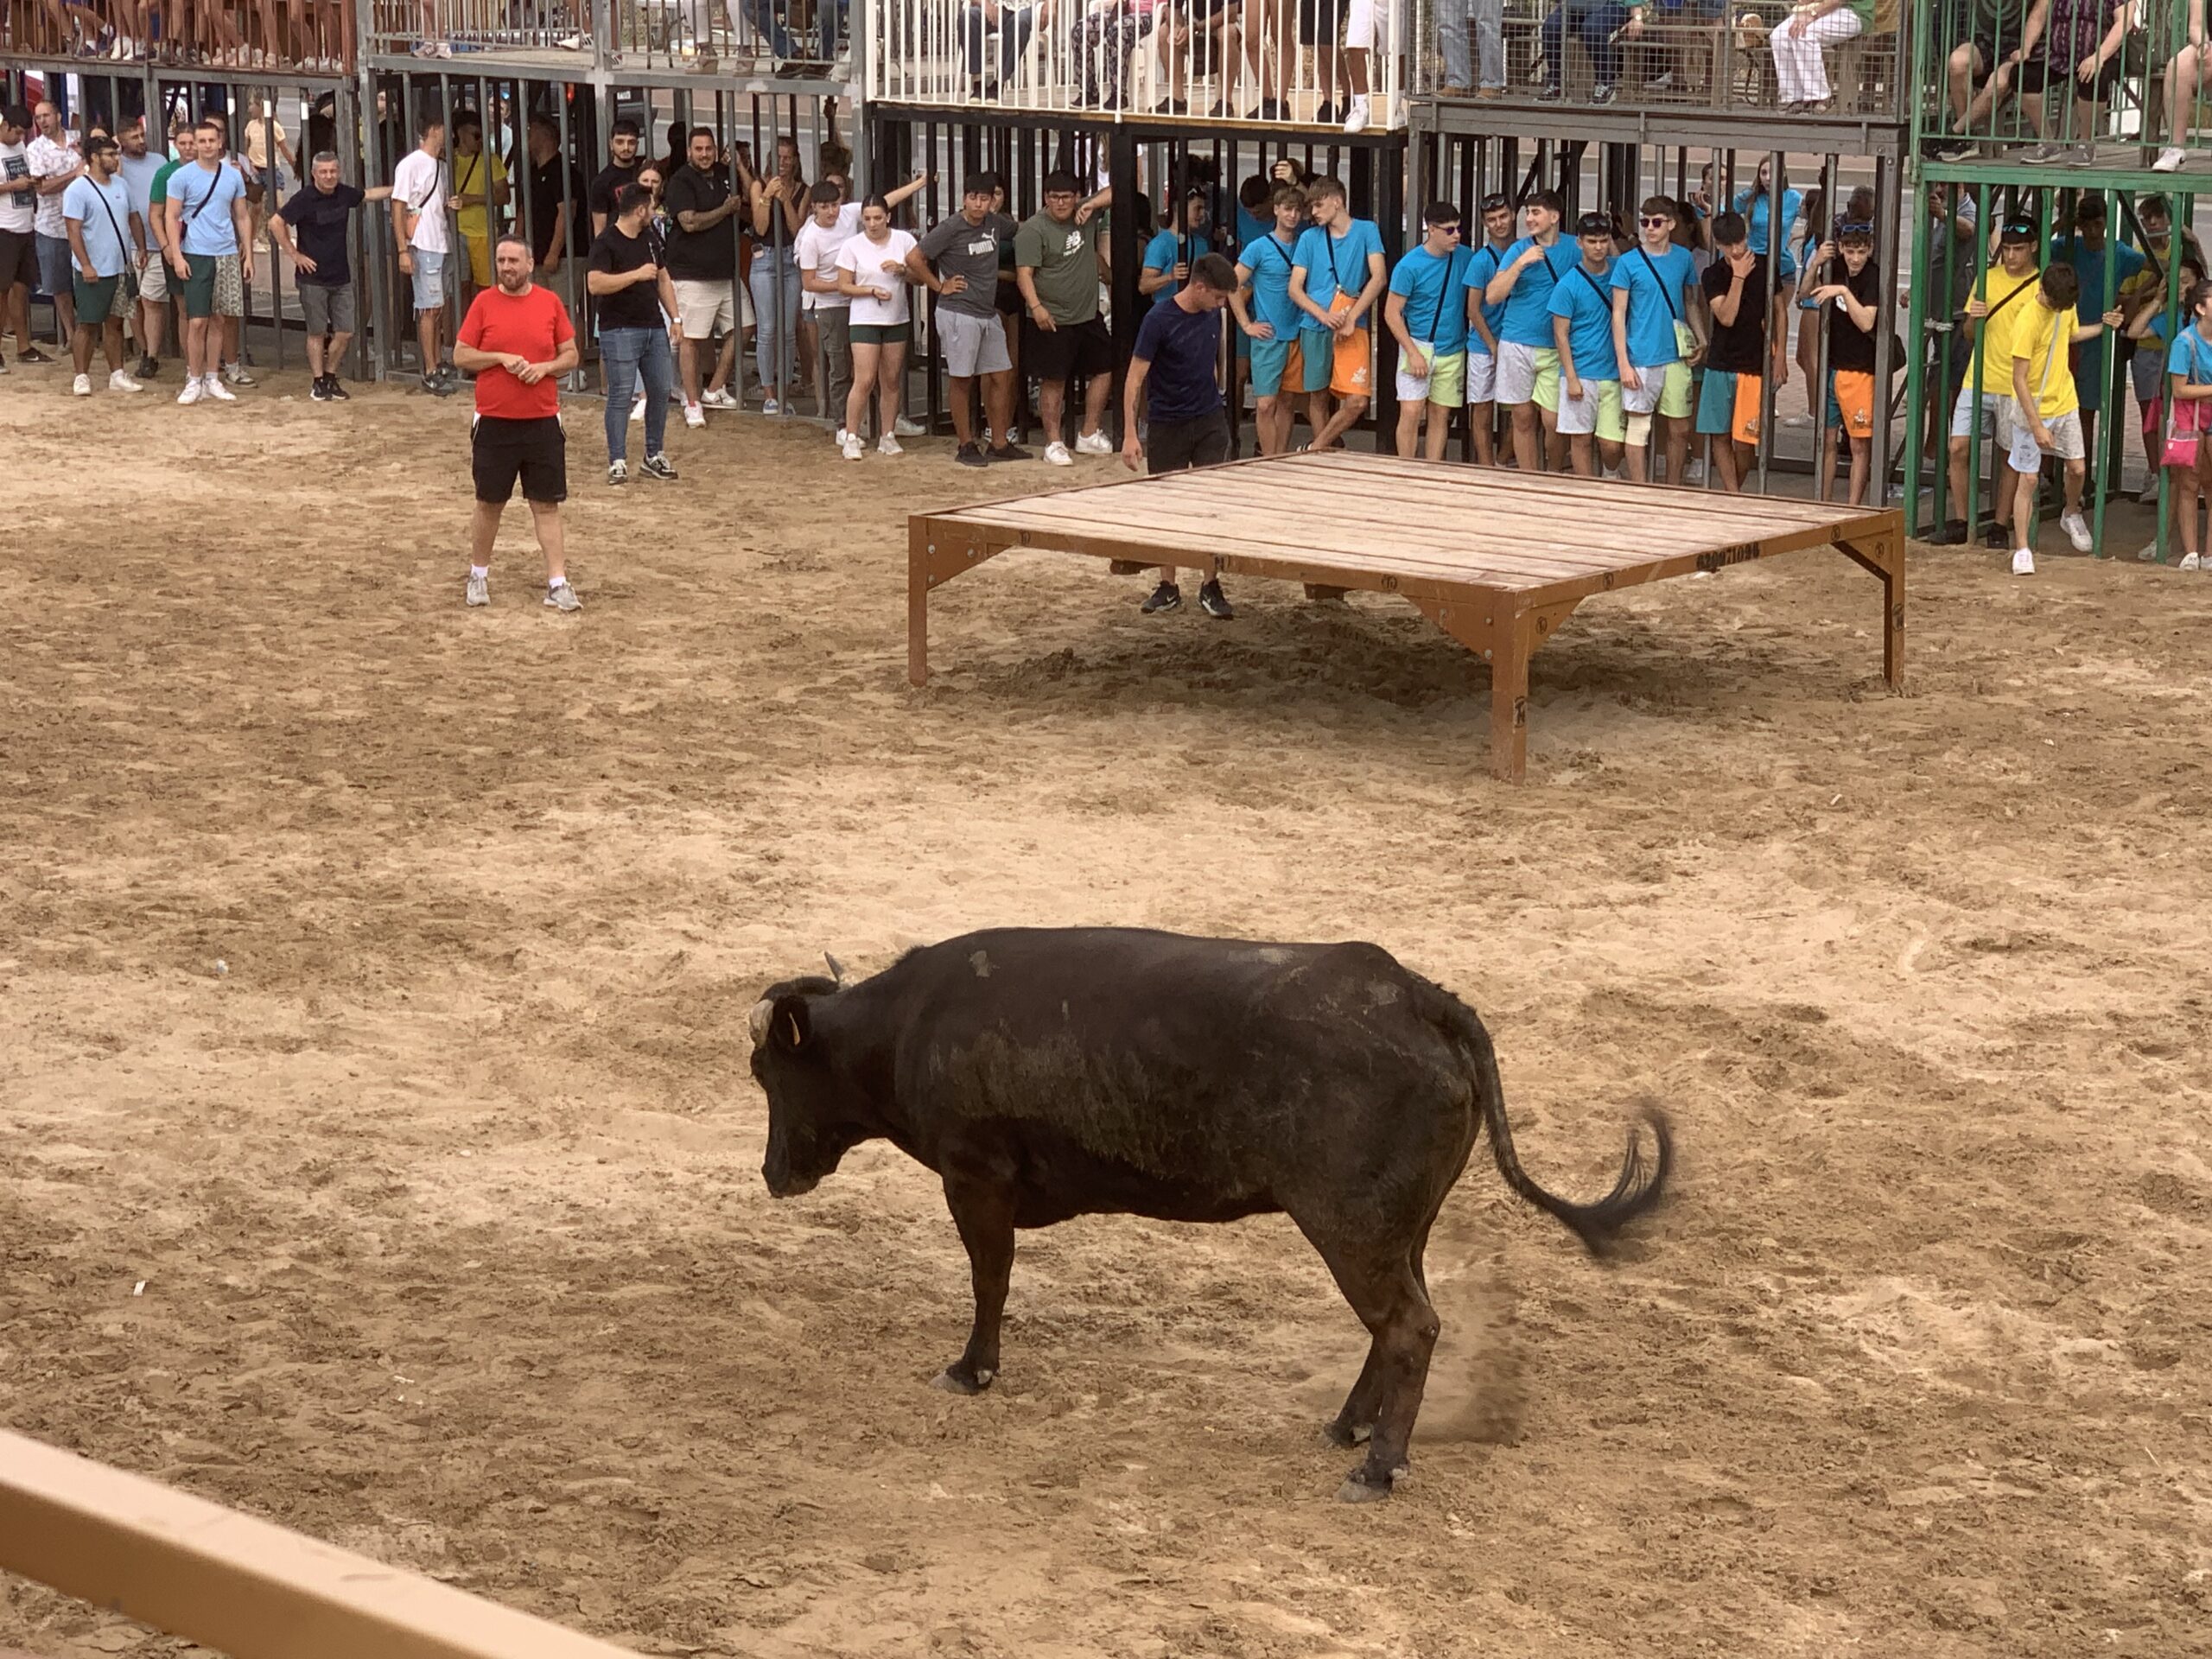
638,305
1737,347
545,202
612,178
708,255
318,223
1850,347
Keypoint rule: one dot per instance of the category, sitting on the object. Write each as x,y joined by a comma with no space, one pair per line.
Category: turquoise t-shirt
1269,260
1585,298
1483,264
1332,263
1528,319
1436,298
1759,209
1655,283
2190,358
1170,249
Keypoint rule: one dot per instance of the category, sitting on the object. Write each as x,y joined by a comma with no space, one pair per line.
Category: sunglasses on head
1497,205
1854,230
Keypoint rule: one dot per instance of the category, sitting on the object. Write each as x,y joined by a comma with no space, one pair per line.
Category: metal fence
293,36
782,37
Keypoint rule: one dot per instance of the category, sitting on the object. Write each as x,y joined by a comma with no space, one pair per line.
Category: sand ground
445,1195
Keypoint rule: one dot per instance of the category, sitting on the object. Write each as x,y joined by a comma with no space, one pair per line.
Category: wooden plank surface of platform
1496,559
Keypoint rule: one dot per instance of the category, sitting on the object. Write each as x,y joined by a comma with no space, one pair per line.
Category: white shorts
1644,398
1362,26
703,308
2018,438
1517,372
1993,406
154,279
1482,376
1578,417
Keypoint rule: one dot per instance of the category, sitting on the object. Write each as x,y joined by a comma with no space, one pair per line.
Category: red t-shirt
533,324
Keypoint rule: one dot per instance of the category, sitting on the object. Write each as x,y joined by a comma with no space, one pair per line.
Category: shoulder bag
1685,336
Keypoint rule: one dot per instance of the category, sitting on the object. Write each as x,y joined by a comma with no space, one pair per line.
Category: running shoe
1356,116
1011,452
319,391
852,449
695,413
1093,444
217,390
2024,562
617,472
719,397
236,375
2077,532
192,393
118,381
1214,602
1603,93
1057,454
1166,597
2169,161
147,367
434,386
770,406
337,390
888,445
479,589
2190,561
82,385
561,597
34,355
2040,155
659,467
971,454
904,428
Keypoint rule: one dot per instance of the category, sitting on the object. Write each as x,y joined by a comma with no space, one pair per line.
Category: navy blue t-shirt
1182,347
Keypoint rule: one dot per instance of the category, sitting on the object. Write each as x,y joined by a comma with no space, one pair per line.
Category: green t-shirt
1065,259
1865,10
159,193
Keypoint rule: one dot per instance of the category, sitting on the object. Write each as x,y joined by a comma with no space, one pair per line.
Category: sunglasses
1655,221
1447,230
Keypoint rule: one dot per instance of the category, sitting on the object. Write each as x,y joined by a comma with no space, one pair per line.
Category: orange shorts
1352,373
1745,427
1854,396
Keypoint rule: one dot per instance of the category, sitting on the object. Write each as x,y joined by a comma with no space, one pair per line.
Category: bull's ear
791,1026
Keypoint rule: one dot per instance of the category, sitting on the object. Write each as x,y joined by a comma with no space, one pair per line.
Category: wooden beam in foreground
242,1587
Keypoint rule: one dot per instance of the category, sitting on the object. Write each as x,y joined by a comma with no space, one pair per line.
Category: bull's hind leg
1384,1289
1356,1422
984,1213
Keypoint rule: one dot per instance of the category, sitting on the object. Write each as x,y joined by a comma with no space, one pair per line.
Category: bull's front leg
983,1211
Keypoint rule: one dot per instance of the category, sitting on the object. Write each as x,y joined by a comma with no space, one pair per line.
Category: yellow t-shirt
2042,336
468,181
1997,330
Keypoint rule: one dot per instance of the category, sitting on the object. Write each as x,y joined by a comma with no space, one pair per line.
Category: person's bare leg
1862,450
998,406
1051,409
1609,454
426,340
1409,413
725,363
315,355
114,342
1347,416
1639,462
864,362
1555,443
1675,435
1481,420
1726,457
333,352
1440,431
1828,467
1578,455
1094,396
1316,417
1356,71
959,391
1528,433
891,386
484,533
687,367
19,316
546,516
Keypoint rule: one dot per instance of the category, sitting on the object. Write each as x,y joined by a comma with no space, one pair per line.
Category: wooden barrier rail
242,1587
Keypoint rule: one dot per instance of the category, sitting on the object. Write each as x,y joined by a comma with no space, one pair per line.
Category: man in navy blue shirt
1172,382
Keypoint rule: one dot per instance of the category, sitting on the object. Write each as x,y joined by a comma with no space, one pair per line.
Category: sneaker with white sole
1356,116
617,472
193,392
887,445
2190,561
2077,532
694,414
82,385
637,410
770,406
2170,160
659,467
118,381
852,449
1057,454
839,437
1093,444
236,375
2024,562
479,591
562,597
217,390
903,428
719,398
2147,552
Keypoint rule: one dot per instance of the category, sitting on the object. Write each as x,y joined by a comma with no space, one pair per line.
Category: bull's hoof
953,1380
1360,1488
1339,1433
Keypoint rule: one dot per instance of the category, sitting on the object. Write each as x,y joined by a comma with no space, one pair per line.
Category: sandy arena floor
446,1195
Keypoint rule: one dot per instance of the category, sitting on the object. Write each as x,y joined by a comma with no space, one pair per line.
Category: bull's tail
1642,1182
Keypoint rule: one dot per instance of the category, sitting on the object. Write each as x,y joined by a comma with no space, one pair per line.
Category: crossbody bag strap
1661,281
120,241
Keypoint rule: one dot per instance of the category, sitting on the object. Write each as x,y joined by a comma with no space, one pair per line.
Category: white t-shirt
50,160
817,251
16,212
420,183
865,259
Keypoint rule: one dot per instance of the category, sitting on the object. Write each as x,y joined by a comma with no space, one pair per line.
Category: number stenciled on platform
1741,553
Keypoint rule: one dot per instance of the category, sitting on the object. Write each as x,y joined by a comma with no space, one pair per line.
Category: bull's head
813,1120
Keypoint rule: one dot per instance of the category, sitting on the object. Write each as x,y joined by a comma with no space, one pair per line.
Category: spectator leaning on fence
314,228
95,209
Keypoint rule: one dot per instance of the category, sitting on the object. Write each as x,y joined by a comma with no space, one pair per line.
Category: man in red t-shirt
520,342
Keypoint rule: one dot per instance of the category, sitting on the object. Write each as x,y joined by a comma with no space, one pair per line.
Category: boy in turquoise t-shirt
1654,335
1426,313
1582,333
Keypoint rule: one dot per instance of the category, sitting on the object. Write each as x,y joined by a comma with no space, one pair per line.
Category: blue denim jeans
1016,25
774,282
630,355
1594,25
1456,20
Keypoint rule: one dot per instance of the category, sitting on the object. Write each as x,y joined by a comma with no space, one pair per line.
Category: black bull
1045,1073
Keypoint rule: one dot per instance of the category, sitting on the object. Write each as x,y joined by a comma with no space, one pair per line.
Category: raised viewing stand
1495,560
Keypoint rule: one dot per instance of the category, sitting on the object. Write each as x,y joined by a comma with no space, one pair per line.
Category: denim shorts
429,279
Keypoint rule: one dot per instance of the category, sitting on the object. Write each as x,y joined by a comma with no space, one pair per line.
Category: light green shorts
1546,395
1598,411
1664,391
1445,385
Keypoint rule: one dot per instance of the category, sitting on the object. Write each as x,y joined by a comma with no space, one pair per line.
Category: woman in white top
871,274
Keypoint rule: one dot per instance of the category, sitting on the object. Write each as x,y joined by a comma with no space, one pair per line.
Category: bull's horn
836,970
763,1012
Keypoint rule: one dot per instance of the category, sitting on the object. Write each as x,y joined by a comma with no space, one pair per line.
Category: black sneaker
1954,533
34,355
1549,95
1166,597
148,368
971,454
319,391
1327,116
659,467
1602,93
1996,537
1214,602
435,387
1011,452
336,388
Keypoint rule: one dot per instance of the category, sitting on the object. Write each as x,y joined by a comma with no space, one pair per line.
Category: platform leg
1508,700
918,604
1893,614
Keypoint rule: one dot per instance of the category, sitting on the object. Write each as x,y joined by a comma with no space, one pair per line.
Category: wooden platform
1497,560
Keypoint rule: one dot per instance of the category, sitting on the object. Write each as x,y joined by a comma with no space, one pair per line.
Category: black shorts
1321,22
1993,49
1174,446
2039,71
1075,349
536,452
18,259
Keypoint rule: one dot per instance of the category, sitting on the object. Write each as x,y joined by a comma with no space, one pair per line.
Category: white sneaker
694,414
903,428
637,410
192,392
839,437
1093,444
2190,561
217,390
888,445
1693,469
82,385
852,447
2024,562
119,381
2147,552
770,406
1057,454
719,398
2077,532
1356,117
2170,160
